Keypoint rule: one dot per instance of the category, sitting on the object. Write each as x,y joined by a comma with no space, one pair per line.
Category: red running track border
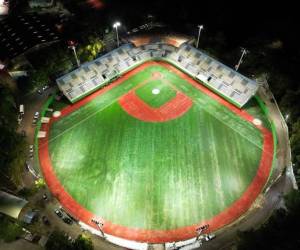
227,216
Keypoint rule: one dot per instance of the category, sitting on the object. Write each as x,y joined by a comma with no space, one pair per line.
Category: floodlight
116,24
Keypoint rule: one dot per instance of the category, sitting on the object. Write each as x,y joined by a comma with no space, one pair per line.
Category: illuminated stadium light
201,27
287,117
116,25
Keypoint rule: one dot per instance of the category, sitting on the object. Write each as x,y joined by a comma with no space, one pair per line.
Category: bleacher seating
223,80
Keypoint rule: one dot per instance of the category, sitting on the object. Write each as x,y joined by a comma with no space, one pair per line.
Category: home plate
257,122
155,91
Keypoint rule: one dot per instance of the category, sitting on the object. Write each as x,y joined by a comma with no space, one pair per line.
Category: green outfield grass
155,175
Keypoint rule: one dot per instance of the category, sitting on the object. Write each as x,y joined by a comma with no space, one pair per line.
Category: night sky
237,19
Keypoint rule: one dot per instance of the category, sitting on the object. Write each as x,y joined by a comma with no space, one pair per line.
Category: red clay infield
226,217
173,109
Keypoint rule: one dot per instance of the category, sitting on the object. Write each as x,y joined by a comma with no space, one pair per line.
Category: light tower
201,27
199,231
244,52
116,25
100,226
72,45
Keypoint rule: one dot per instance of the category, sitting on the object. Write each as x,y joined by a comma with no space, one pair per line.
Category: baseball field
155,154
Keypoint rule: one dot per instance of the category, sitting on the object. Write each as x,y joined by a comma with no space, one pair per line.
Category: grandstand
221,79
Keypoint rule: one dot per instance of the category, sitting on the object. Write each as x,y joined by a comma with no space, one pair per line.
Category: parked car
45,220
21,109
20,118
45,87
67,220
58,213
23,133
27,167
209,237
35,117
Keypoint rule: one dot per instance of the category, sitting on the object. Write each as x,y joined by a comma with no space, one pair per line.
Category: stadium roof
11,205
21,33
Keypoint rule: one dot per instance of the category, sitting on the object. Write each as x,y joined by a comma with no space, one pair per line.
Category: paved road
19,245
32,103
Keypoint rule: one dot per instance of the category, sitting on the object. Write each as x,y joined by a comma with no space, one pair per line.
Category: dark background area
238,20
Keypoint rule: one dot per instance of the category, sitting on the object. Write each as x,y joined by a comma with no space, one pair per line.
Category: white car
20,118
31,151
209,237
35,118
45,87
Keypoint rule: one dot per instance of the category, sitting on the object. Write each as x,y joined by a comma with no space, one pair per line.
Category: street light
244,52
72,45
287,117
200,28
116,25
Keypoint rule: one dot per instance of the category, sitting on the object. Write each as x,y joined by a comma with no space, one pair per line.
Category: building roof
23,32
11,205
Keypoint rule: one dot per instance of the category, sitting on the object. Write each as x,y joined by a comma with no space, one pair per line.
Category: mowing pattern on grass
157,176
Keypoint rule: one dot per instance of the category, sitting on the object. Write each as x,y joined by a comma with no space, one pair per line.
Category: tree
57,59
91,49
13,146
279,233
38,78
83,242
58,241
295,146
9,230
